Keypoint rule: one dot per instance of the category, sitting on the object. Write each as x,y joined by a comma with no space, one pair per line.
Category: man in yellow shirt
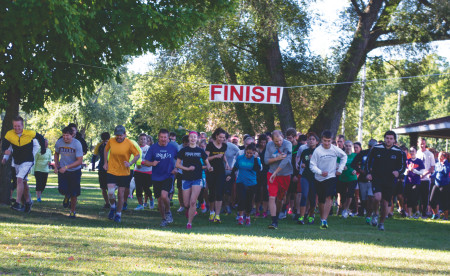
118,169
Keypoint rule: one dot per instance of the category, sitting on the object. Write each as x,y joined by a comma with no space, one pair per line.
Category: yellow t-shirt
118,154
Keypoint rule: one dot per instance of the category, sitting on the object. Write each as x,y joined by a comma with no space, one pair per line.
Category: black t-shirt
218,163
191,157
305,158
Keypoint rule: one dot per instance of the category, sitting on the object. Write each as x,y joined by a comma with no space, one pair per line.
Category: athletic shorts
102,180
295,186
279,186
187,184
69,183
120,180
365,189
399,188
325,188
159,186
23,169
385,186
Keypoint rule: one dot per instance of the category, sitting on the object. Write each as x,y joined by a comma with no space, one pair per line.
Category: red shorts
279,186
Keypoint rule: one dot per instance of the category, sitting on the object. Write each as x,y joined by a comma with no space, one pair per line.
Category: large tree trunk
12,111
274,67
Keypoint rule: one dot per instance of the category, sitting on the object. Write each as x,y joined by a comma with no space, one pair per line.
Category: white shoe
344,214
181,209
139,207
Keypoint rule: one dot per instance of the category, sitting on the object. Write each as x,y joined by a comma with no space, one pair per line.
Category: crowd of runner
273,175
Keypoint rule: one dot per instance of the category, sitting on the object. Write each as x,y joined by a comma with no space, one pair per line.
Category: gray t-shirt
286,164
230,155
68,153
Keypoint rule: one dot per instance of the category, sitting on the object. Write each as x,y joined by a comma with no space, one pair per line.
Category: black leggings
424,195
245,197
441,196
216,186
143,183
262,194
412,195
41,180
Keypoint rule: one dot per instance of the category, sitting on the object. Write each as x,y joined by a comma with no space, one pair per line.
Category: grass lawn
46,242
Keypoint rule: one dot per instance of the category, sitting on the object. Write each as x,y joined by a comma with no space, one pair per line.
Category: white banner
245,94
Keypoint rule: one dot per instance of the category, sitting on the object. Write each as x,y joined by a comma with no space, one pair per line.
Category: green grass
46,242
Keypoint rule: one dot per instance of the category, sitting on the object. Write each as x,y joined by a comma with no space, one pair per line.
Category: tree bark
12,110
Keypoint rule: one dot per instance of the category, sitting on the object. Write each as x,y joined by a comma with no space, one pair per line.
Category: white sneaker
344,214
139,207
169,217
181,209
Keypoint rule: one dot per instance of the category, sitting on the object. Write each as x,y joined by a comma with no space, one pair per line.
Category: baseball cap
372,142
119,130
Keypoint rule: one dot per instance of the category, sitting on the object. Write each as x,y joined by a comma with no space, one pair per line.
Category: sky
323,36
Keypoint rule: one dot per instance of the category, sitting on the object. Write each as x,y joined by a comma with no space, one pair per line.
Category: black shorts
120,180
399,187
325,188
102,180
69,183
165,185
179,179
385,186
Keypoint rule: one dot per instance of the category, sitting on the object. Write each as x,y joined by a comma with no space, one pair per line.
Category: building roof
435,128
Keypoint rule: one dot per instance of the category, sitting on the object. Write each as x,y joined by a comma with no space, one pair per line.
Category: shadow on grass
423,234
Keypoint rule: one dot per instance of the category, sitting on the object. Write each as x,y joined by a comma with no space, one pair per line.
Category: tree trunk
331,113
12,111
274,65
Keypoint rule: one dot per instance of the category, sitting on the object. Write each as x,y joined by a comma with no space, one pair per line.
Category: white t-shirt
428,160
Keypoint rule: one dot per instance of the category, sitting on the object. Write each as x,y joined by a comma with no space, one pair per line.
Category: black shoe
18,207
125,206
28,207
13,200
274,225
66,202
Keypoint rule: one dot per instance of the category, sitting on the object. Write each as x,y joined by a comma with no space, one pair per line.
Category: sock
119,214
113,206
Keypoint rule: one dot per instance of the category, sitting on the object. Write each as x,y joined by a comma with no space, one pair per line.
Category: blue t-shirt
166,157
192,157
247,174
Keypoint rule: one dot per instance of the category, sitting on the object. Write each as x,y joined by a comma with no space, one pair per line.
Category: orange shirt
119,153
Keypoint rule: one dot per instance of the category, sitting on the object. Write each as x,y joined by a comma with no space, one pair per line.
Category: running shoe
435,216
66,202
181,209
310,220
72,215
390,215
139,207
301,220
381,226
125,206
247,221
368,220
203,207
324,225
145,205
416,215
274,225
403,213
374,220
253,211
152,204
264,215
240,220
18,207
257,214
211,216
188,226
217,219
117,218
169,217
28,207
204,211
163,223
282,215
345,213
39,199
112,213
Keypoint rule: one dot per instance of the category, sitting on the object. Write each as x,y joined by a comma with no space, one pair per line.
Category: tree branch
357,9
251,50
383,20
394,42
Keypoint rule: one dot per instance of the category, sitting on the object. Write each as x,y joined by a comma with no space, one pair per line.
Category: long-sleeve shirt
325,160
382,161
22,145
441,172
286,164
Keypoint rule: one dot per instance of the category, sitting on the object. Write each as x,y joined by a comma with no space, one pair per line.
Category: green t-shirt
347,175
41,161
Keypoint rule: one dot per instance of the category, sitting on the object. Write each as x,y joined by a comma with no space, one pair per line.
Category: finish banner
245,94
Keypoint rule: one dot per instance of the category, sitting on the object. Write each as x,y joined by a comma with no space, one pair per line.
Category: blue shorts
69,183
187,184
